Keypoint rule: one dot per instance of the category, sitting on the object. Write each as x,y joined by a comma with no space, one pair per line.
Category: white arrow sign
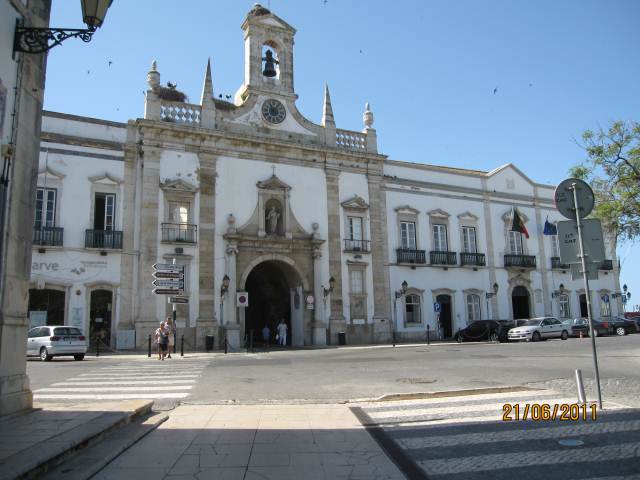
170,267
168,283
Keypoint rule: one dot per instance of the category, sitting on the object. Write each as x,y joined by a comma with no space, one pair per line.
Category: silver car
538,329
56,341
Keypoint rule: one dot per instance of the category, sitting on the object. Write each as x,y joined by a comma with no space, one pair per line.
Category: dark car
495,330
578,326
623,326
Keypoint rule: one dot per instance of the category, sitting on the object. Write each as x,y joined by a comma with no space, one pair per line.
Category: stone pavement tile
180,477
161,459
224,460
284,473
207,437
186,465
305,459
237,473
302,447
269,460
284,436
237,436
130,474
199,449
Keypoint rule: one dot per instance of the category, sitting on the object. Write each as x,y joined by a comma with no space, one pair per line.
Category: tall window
357,282
357,293
179,212
605,308
469,240
408,235
555,246
45,208
515,243
104,211
439,237
563,301
355,228
473,307
412,309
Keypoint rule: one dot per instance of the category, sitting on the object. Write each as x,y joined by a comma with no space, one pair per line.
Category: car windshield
532,323
66,331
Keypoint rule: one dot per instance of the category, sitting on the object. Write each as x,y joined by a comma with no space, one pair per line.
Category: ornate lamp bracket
39,40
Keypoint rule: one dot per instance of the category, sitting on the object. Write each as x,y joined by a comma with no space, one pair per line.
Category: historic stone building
308,221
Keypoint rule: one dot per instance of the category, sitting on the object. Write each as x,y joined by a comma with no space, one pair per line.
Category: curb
394,397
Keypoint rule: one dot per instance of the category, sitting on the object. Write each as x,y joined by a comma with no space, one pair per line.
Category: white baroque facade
252,191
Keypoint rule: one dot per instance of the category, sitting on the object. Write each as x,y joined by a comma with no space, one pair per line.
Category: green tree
612,168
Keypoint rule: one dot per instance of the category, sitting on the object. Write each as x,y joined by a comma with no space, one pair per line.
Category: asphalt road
348,373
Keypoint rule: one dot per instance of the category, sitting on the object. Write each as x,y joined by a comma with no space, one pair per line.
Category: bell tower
268,54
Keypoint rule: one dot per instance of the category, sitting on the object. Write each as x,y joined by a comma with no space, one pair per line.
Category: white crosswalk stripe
465,437
172,380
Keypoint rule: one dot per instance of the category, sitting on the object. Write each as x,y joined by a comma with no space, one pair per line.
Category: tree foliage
612,168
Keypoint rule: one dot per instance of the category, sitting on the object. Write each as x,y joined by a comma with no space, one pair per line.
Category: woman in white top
282,333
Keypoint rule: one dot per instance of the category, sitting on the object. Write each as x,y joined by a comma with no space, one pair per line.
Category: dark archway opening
100,317
47,300
445,315
269,302
520,303
584,311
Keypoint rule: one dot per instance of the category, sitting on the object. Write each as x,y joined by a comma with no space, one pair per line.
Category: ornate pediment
468,216
407,209
49,172
355,203
273,183
105,179
438,213
178,185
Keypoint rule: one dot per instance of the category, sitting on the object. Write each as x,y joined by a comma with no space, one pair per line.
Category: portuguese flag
517,225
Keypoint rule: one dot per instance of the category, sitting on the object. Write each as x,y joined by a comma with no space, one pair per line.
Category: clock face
273,111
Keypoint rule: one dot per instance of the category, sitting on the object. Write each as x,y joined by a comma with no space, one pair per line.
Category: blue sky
429,69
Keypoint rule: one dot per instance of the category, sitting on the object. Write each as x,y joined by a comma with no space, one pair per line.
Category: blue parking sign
605,298
437,307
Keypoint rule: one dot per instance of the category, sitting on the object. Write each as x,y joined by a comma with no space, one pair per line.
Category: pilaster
337,321
319,333
491,258
231,323
543,267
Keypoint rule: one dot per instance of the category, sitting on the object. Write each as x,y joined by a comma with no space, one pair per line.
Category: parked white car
56,341
538,329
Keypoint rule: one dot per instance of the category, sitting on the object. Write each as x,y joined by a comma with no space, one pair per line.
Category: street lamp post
325,294
397,294
39,40
224,288
491,295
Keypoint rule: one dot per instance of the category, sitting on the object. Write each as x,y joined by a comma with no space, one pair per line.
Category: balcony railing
49,236
605,265
405,255
443,258
179,232
105,239
357,245
521,261
474,259
556,264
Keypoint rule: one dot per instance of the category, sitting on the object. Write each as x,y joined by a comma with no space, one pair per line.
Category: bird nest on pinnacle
170,93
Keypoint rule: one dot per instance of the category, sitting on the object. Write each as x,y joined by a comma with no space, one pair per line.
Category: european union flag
549,228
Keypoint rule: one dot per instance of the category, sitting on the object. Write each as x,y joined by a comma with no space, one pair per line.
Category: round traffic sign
565,201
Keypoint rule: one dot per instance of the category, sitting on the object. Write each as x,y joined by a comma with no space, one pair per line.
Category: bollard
226,345
97,347
394,338
182,346
149,354
581,396
428,340
251,341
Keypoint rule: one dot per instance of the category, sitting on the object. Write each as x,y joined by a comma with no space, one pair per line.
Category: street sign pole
174,313
587,292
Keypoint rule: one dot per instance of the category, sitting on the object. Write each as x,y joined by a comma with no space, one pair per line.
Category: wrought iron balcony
405,255
103,239
442,258
556,264
357,245
520,261
49,236
474,259
179,232
606,265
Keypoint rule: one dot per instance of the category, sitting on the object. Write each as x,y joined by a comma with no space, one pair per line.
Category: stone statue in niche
272,220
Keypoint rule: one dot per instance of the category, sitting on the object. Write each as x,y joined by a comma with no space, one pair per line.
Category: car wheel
621,331
459,338
535,337
494,337
79,356
44,355
564,335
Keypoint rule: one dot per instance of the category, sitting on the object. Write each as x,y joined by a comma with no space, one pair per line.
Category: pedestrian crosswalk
466,437
136,379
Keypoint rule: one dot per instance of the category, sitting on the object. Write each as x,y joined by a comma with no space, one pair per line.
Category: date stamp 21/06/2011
541,412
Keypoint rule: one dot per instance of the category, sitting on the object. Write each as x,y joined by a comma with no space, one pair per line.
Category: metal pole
251,340
226,345
97,346
182,346
395,320
581,396
428,335
149,353
173,311
587,294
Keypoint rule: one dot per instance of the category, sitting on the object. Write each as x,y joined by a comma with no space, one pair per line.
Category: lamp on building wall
398,294
558,292
224,288
39,40
327,291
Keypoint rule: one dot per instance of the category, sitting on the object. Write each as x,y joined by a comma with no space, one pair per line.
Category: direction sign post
169,280
574,199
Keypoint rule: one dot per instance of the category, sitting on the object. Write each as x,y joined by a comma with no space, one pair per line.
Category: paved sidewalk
30,442
250,442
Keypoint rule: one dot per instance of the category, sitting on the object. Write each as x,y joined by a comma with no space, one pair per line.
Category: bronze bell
269,65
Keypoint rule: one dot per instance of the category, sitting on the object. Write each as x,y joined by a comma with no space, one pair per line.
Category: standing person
266,333
171,328
282,333
162,339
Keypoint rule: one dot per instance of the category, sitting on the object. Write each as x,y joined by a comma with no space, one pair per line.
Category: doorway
46,307
445,315
274,294
100,317
584,311
520,303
